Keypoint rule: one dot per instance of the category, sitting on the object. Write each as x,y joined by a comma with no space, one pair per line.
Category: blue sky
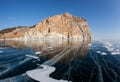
103,16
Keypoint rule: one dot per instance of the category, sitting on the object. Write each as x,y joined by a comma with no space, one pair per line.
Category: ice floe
42,74
34,57
115,51
38,52
102,53
110,48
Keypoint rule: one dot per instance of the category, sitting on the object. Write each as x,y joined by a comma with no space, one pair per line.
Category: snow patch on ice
116,51
34,57
110,48
102,53
38,52
42,75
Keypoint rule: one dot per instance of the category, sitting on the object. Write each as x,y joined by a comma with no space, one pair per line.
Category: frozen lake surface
59,61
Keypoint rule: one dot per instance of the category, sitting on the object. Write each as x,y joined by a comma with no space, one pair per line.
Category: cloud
11,18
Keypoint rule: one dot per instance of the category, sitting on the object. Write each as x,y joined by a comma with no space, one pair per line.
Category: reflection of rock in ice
50,48
42,75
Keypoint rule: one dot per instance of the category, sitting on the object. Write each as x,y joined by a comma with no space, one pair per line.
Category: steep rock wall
63,26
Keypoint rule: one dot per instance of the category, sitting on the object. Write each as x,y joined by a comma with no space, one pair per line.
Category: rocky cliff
14,32
64,26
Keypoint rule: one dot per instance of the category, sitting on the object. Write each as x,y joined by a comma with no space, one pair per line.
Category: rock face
14,32
64,26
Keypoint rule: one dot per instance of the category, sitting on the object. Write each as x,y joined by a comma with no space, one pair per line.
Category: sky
103,16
